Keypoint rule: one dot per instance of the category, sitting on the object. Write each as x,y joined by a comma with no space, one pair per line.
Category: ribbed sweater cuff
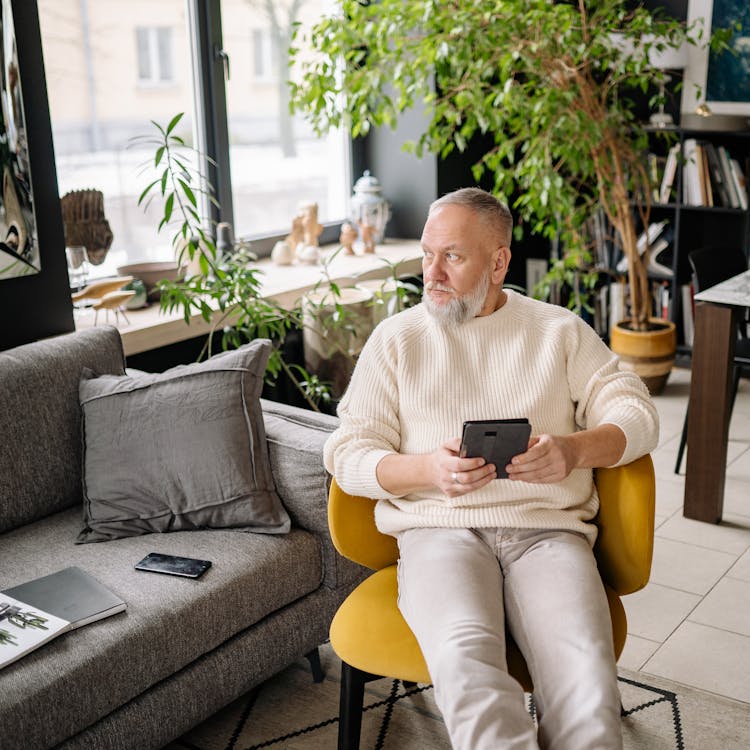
365,477
637,443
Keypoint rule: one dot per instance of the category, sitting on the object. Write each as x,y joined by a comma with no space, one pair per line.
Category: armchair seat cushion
369,633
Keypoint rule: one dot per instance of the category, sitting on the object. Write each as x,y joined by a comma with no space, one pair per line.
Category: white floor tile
741,569
725,536
687,567
670,494
637,652
692,578
726,606
664,458
739,468
655,612
706,658
737,493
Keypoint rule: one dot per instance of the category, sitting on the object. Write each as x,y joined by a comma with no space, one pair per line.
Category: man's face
463,265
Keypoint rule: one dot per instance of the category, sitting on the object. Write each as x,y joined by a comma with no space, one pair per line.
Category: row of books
711,176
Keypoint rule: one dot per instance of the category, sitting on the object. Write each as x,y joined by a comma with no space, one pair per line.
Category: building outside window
112,66
263,67
154,46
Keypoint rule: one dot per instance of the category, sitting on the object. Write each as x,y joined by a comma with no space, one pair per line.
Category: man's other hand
456,476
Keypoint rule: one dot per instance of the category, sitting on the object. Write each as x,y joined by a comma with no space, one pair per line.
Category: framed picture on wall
723,81
19,244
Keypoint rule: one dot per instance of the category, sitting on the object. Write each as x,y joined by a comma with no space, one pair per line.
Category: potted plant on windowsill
225,288
553,84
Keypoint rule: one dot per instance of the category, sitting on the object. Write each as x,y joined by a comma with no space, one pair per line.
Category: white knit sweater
416,382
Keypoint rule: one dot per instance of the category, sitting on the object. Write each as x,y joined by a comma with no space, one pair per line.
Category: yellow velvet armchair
371,637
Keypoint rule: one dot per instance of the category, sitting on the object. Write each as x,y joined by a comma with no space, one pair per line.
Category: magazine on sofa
38,611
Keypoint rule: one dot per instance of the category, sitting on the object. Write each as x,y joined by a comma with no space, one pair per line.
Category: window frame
210,66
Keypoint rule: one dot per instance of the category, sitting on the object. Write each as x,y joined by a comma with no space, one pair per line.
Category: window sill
150,328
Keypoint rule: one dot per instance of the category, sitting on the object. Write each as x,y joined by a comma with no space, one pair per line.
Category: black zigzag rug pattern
291,712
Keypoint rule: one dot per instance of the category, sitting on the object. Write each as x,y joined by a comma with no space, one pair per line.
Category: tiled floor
691,623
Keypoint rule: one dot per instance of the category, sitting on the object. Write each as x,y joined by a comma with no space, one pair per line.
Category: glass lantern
368,206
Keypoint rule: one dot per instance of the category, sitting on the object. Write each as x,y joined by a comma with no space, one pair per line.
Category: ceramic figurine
310,226
297,235
367,232
282,253
369,206
347,237
308,254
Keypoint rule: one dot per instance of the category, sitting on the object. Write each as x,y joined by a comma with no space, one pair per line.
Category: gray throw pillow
183,449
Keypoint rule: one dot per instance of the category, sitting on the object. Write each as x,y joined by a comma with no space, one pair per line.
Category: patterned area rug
291,712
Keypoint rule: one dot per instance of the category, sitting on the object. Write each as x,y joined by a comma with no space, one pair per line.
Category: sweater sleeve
369,424
604,394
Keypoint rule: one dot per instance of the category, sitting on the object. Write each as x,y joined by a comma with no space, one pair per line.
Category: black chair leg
683,441
735,387
315,666
350,706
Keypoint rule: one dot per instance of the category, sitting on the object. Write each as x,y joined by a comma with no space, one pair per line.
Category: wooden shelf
150,328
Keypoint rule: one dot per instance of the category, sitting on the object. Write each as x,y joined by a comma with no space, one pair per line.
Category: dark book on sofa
38,611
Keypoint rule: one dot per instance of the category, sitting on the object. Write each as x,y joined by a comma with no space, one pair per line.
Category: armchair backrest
623,550
351,521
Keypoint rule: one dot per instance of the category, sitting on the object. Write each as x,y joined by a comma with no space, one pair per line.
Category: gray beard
461,309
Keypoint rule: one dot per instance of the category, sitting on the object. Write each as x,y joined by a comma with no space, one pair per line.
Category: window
276,161
106,81
262,55
154,55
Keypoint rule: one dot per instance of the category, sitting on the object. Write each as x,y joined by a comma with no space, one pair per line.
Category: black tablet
495,440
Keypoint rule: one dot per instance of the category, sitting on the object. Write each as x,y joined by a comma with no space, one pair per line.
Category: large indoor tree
554,85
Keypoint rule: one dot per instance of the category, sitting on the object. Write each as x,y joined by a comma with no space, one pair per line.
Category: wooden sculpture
84,223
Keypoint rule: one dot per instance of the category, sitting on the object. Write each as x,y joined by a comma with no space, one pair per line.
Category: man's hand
443,469
551,458
456,476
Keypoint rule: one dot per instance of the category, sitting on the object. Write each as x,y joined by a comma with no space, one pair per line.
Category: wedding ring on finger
454,477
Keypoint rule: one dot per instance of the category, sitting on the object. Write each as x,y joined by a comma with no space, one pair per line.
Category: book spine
688,325
738,181
670,170
720,188
694,175
726,169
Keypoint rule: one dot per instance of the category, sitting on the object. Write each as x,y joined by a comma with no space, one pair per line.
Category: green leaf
189,194
173,122
168,205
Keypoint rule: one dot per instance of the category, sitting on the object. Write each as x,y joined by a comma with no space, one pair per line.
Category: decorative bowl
149,272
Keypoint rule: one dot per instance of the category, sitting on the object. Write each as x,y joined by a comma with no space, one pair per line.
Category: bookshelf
693,223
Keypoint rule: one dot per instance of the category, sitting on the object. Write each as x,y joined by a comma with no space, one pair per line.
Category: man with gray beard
477,552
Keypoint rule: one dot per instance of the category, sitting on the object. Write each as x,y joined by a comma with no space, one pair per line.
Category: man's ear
500,266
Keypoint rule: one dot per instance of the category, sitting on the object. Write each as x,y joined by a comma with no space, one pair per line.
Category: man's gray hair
489,209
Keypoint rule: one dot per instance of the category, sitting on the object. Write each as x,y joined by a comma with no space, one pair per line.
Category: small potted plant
225,288
553,85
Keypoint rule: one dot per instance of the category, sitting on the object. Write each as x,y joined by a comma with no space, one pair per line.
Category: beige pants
457,587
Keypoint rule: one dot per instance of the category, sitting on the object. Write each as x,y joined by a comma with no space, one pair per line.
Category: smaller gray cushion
184,449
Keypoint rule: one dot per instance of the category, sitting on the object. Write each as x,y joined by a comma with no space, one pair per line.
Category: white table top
733,292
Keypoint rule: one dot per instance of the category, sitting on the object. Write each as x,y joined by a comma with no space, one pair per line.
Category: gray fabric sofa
184,648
